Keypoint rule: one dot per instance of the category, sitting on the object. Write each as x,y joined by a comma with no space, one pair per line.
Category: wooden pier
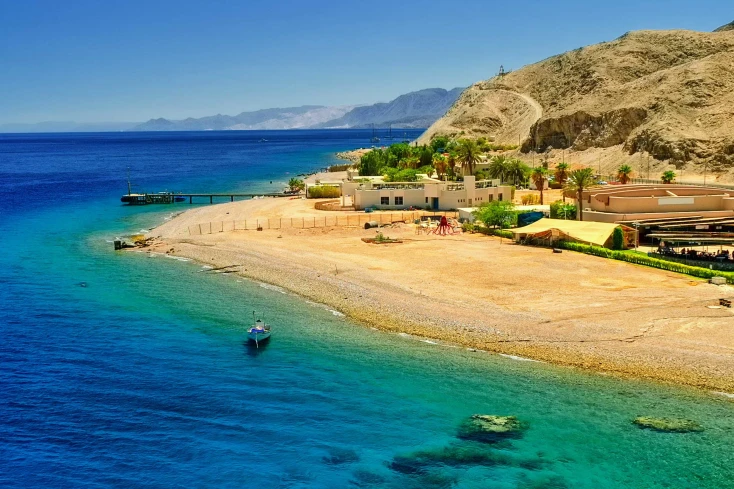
172,198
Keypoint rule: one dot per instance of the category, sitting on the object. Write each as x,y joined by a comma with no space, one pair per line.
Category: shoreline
540,352
338,279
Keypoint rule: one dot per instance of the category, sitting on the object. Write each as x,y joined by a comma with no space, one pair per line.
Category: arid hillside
666,95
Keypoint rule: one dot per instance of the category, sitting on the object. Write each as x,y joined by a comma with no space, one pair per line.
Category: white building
431,193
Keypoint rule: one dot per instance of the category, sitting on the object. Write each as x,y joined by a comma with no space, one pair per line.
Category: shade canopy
597,233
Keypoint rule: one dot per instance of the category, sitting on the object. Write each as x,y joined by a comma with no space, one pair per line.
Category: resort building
626,203
428,192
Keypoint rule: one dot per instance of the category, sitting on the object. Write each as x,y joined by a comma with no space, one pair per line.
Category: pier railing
348,220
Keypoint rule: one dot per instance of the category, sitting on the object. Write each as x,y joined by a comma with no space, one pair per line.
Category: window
426,200
490,198
384,200
398,201
499,197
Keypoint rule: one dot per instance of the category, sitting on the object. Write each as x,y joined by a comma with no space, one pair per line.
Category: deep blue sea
120,370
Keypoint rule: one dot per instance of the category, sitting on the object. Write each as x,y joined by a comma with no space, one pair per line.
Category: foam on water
518,358
272,287
324,306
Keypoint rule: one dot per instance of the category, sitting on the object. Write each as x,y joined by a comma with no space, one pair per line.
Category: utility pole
705,165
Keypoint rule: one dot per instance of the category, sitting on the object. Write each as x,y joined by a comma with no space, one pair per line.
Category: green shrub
497,213
617,239
439,143
503,233
395,175
648,261
324,192
559,210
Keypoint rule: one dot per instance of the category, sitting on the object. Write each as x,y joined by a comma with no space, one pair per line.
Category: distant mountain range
287,118
412,110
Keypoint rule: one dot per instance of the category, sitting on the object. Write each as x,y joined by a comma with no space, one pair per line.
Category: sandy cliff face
669,94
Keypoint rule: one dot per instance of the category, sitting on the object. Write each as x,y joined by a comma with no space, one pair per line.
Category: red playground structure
443,228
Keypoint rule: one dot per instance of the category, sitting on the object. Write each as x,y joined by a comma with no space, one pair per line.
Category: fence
335,220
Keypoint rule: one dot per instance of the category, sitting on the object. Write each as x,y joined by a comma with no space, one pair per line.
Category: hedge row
646,261
503,233
324,192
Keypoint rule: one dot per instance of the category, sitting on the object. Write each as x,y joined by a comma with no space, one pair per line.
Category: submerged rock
542,482
488,428
450,456
338,456
366,478
667,425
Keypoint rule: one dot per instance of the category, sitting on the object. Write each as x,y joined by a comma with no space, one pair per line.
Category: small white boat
259,331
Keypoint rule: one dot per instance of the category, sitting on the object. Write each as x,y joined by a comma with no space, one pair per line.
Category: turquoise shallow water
124,370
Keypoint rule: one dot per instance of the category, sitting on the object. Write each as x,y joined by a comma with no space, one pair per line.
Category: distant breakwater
354,155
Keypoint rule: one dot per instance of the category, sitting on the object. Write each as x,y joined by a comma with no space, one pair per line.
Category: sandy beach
479,292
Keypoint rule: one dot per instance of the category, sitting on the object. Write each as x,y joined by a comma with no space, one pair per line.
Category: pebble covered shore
394,308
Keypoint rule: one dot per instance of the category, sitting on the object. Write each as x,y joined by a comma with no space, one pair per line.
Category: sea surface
132,370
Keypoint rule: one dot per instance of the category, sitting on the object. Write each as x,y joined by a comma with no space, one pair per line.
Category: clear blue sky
133,60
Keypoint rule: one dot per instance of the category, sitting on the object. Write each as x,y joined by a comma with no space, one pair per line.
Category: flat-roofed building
431,193
615,203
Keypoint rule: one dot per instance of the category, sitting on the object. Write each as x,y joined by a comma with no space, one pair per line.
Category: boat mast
129,187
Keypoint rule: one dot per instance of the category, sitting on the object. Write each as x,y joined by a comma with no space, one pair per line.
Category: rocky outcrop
667,425
727,27
487,428
582,130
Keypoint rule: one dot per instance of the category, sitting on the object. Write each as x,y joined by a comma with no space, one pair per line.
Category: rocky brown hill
667,94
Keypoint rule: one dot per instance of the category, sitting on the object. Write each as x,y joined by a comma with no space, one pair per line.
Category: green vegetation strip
642,259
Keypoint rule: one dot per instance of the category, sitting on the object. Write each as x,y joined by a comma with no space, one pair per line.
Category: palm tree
578,181
296,185
668,176
539,176
561,173
440,164
468,153
624,173
452,163
498,167
518,171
